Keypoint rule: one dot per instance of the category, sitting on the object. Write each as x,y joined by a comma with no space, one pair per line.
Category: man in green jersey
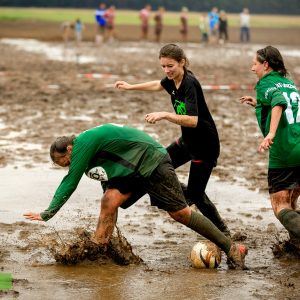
130,163
277,110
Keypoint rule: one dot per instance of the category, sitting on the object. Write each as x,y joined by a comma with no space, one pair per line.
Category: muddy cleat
236,257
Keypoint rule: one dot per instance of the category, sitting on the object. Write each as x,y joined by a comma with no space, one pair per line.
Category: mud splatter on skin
118,250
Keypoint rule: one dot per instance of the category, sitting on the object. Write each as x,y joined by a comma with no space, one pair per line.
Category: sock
290,219
207,229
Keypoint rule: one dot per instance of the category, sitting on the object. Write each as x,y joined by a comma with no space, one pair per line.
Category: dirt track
41,99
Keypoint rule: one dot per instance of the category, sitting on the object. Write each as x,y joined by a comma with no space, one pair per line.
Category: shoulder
191,80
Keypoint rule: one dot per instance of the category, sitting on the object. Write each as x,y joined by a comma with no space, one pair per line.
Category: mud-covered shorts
283,179
162,186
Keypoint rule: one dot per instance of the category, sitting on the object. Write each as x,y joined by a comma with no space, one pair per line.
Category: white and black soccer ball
205,255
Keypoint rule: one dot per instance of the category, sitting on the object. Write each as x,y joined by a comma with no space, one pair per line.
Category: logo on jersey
180,107
97,173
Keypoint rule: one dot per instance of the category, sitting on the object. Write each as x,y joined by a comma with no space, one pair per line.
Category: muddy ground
42,98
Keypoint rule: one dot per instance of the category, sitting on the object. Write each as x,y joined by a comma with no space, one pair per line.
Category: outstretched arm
110,202
182,120
275,118
33,216
145,86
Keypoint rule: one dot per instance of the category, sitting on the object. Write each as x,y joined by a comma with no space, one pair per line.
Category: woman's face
172,68
260,69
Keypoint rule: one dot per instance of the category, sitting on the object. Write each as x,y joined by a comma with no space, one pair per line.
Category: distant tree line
289,7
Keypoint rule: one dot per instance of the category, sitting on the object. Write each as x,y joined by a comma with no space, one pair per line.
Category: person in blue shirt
101,22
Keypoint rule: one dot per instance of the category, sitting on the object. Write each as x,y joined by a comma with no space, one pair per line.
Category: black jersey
202,141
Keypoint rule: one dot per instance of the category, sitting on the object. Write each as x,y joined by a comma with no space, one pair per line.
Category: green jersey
272,90
104,153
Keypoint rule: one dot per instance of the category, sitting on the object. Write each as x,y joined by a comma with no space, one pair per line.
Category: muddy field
45,92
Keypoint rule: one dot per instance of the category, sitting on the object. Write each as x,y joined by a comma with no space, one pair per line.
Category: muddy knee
182,216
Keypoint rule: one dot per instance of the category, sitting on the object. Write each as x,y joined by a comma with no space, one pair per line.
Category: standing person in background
203,26
196,123
223,27
158,21
110,23
184,24
101,23
78,28
245,25
277,111
144,17
213,21
66,28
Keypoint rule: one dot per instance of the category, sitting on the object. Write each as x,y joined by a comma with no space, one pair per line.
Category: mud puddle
162,244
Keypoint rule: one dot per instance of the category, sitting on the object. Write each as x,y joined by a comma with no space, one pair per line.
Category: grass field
129,17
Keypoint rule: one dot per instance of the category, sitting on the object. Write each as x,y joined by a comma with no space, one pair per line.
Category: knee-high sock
206,228
290,219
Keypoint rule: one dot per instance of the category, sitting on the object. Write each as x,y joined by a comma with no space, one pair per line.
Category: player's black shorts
283,179
162,186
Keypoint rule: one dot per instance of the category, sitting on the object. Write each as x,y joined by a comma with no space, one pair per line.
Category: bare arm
275,118
145,86
182,120
110,202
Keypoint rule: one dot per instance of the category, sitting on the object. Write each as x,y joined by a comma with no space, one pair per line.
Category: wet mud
42,97
84,248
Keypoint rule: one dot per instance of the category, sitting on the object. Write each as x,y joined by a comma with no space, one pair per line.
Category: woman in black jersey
199,140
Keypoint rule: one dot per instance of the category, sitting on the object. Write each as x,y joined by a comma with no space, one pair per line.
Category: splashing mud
83,248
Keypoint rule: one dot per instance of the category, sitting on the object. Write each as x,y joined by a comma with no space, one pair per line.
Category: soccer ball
205,255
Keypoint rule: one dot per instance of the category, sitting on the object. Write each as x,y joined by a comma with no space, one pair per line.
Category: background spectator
245,25
101,23
223,27
158,21
78,28
213,21
203,26
184,23
144,17
110,23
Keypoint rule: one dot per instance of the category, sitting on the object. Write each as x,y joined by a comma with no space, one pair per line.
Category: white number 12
294,97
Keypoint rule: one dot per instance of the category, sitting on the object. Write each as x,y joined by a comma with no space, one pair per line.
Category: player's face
258,68
65,159
172,68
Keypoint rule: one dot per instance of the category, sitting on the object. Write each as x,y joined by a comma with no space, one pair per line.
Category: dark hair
273,57
175,52
59,146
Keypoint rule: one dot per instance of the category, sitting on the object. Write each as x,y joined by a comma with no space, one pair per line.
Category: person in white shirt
245,25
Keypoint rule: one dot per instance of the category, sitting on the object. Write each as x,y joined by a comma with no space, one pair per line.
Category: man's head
61,150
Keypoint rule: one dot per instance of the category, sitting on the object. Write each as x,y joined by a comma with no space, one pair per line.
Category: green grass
127,17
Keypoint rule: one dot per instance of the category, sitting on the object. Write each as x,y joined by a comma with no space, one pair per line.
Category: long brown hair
273,57
175,52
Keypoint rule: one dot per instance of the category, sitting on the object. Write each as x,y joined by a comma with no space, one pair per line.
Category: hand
33,216
123,85
248,100
267,142
152,118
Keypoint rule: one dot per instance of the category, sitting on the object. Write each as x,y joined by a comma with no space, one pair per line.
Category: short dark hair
273,57
59,146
